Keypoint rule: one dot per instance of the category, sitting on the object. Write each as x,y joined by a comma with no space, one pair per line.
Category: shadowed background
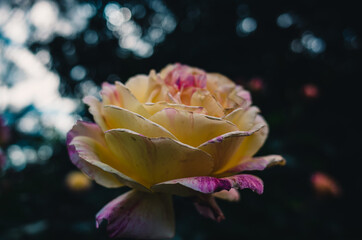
301,61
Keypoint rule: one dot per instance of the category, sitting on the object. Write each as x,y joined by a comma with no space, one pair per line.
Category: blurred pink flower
325,185
256,84
310,91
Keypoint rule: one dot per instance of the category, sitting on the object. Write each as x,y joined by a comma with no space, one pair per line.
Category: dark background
317,133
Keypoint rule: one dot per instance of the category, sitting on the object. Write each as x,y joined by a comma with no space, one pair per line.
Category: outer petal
192,128
95,108
249,146
157,159
117,117
209,185
139,215
204,99
100,176
224,147
232,195
243,118
87,150
252,144
258,163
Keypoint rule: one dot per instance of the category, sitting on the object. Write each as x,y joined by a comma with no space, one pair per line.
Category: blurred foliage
306,56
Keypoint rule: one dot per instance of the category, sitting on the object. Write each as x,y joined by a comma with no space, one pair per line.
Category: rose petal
204,99
249,146
253,143
87,150
110,95
129,101
192,128
100,176
139,86
95,108
153,108
224,147
139,215
209,185
243,118
157,159
122,118
240,97
208,207
258,163
220,87
232,195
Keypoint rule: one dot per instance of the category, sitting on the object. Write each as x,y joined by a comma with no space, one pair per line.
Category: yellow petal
96,154
129,101
153,108
139,85
220,87
117,117
192,128
224,148
253,143
250,145
239,97
88,151
91,130
204,99
95,108
243,118
157,159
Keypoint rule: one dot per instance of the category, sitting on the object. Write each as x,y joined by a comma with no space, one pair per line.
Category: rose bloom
178,132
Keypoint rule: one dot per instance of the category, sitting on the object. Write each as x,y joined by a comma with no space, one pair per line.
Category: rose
182,131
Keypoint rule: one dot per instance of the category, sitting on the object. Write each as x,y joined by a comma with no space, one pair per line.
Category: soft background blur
301,60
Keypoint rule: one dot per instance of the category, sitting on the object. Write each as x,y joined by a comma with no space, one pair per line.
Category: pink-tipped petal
139,215
207,185
110,95
258,163
88,151
100,176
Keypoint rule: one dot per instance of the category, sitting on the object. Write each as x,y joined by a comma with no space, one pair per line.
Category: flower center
183,77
